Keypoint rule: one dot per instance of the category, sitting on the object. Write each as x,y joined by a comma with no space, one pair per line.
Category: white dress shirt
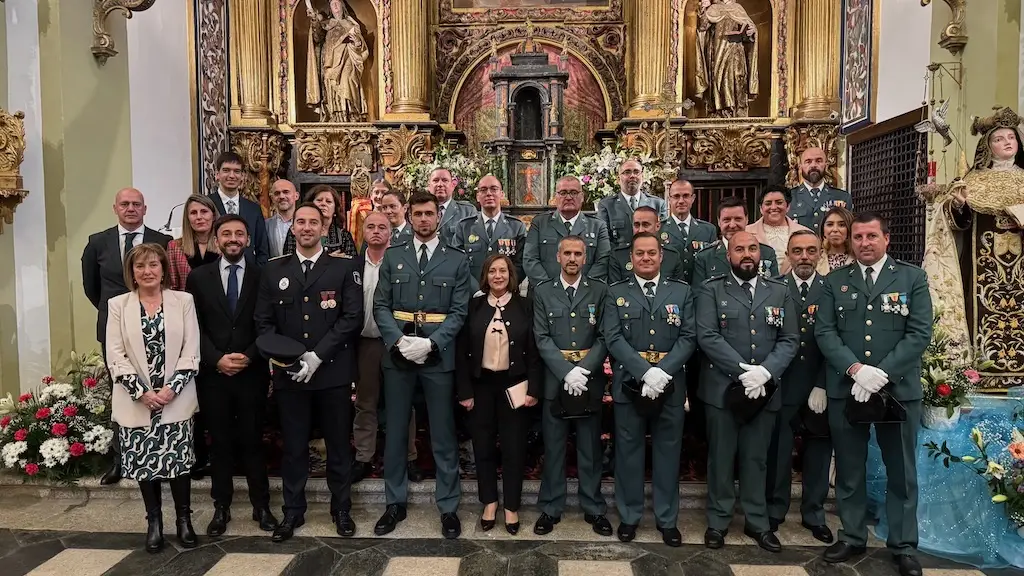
444,206
224,271
313,259
642,282
575,286
396,232
371,274
688,222
237,199
121,231
571,221
628,198
876,269
431,247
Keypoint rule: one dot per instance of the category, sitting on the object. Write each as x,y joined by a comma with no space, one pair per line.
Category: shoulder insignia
454,249
715,278
778,281
339,255
623,281
510,217
908,264
465,218
279,257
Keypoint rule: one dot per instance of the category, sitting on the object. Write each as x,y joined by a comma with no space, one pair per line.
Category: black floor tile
369,562
257,545
191,563
312,562
27,537
429,548
8,543
533,564
142,562
25,559
346,546
510,548
483,563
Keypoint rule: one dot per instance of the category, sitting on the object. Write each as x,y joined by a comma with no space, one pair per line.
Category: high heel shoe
512,527
485,524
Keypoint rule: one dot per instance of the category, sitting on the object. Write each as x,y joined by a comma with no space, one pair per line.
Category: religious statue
982,291
334,67
726,58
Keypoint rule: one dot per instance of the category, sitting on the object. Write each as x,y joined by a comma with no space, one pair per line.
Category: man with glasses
490,232
547,230
617,211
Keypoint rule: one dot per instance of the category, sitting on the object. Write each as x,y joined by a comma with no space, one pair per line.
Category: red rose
48,380
59,429
42,413
943,390
70,411
25,397
20,435
77,449
31,469
89,383
5,421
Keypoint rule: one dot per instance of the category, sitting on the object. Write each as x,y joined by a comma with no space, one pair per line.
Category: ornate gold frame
448,14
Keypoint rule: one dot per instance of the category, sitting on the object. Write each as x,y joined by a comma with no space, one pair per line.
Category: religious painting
478,4
859,71
530,177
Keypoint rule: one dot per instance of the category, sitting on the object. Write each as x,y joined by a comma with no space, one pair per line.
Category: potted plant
946,379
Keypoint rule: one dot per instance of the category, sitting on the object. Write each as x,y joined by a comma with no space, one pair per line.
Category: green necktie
632,203
869,280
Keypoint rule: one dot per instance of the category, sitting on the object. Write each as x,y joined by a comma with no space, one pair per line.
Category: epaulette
465,218
279,257
339,255
714,278
452,248
778,281
464,203
595,281
710,246
783,278
623,281
511,217
908,264
676,280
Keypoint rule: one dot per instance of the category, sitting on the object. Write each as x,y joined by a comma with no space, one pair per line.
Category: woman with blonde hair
836,247
334,237
196,245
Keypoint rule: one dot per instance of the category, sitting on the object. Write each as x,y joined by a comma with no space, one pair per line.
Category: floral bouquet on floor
946,377
62,431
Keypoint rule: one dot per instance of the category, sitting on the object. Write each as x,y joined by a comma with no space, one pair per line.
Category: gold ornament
262,154
12,152
102,43
729,149
803,136
400,147
333,151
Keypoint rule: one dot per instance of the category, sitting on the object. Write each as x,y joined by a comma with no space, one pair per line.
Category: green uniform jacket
443,288
632,324
621,266
546,230
807,369
731,330
855,326
699,235
809,213
509,239
618,216
457,211
713,261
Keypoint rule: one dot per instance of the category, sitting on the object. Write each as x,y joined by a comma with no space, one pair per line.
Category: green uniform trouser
551,499
630,448
898,444
726,438
817,457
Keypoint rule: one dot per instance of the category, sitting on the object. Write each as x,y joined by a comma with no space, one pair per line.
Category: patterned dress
161,451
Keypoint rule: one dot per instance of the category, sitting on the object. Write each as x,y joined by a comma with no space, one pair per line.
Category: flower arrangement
62,431
946,377
598,172
466,169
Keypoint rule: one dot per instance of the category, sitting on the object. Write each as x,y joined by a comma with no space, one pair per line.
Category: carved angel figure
337,53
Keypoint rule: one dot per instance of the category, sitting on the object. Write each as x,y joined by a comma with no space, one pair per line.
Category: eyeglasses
568,193
489,190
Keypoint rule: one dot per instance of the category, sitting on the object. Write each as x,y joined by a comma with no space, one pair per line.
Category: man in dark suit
442,185
103,273
316,300
232,381
229,200
813,198
490,232
617,211
685,232
393,205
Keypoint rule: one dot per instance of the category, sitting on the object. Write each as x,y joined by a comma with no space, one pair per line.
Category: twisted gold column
817,60
250,60
409,42
650,23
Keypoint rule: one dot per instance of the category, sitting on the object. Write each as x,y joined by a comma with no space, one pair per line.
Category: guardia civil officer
567,328
649,328
617,211
316,300
645,219
713,260
746,328
813,198
874,323
548,229
490,232
686,233
421,302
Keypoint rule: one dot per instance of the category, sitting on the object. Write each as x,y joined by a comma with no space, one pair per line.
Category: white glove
404,345
754,376
754,392
300,376
860,394
817,401
576,381
650,391
871,379
657,378
417,349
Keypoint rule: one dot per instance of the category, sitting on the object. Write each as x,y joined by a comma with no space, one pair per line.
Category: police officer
746,328
567,327
873,325
442,185
713,260
316,300
490,232
617,211
649,328
686,233
645,219
813,198
803,383
421,302
548,229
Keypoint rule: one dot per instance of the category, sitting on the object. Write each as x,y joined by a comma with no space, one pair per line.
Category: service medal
400,266
664,236
283,284
629,265
323,305
620,301
473,238
332,303
591,308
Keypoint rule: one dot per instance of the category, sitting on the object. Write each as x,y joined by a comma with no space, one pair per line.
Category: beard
743,273
813,176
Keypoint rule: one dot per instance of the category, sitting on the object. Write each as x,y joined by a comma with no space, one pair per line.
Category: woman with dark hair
835,240
500,376
196,245
334,237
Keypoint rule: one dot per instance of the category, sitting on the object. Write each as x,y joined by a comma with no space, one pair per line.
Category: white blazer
126,354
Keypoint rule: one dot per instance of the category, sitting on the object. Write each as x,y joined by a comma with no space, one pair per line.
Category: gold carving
399,147
729,149
650,33
333,151
102,43
250,62
528,154
409,39
655,139
999,292
952,37
12,152
262,158
801,137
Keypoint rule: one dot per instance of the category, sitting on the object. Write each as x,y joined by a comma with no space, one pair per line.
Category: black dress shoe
186,534
841,552
512,528
774,523
360,470
412,470
909,566
766,540
344,523
219,523
545,524
486,525
714,539
268,523
600,524
627,532
451,527
286,529
671,536
821,533
393,514
113,474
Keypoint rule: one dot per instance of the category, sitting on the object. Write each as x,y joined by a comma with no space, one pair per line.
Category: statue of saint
982,291
726,58
334,66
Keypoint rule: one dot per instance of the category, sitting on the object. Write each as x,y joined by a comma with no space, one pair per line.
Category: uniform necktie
231,207
649,289
233,286
570,292
632,203
306,267
749,287
684,229
129,241
394,234
815,194
869,280
423,257
803,290
568,227
490,229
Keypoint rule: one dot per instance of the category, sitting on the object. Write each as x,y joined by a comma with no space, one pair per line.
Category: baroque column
409,42
250,62
817,60
650,23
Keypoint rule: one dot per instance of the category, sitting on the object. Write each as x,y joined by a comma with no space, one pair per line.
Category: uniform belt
574,355
419,317
651,356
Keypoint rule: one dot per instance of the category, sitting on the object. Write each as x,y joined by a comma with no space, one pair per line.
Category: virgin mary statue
981,285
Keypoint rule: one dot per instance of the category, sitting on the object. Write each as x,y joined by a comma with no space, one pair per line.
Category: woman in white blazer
153,356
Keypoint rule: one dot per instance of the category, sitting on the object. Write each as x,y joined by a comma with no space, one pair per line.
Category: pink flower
59,429
586,179
48,380
5,421
89,383
973,376
70,411
77,449
31,469
20,435
25,397
42,413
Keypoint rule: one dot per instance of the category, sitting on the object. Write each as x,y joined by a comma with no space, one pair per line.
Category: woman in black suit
499,351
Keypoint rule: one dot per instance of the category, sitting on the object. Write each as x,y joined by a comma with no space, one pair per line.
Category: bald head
130,208
284,196
812,165
376,230
744,255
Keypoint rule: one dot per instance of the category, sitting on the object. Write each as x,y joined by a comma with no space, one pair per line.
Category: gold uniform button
652,347
421,296
867,338
305,335
870,307
573,329
572,344
802,329
867,353
652,331
723,315
753,346
572,314
753,331
868,322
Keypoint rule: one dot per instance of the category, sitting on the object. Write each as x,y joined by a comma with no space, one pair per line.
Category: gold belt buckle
420,318
651,356
575,356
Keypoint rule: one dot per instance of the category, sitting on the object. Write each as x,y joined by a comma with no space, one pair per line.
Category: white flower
98,439
11,452
55,391
54,451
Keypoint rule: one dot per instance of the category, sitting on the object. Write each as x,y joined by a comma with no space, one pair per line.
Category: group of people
432,300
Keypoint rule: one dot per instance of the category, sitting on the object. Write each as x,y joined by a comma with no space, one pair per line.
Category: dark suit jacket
524,362
220,331
259,245
807,370
103,270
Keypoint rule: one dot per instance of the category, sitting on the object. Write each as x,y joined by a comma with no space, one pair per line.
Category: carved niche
12,152
263,155
803,136
729,148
